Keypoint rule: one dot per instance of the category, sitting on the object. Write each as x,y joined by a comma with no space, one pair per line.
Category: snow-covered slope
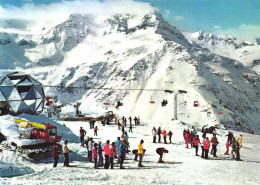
141,51
181,167
244,51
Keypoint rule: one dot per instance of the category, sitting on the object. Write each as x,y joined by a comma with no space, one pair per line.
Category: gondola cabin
196,103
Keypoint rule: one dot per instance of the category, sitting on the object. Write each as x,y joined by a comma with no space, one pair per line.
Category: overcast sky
230,17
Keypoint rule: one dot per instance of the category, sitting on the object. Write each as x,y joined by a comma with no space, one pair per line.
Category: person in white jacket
66,151
202,146
154,132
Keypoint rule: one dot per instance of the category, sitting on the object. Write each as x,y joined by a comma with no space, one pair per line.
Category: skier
161,151
227,147
237,150
95,154
135,152
135,119
140,153
233,145
230,136
55,154
214,143
194,131
82,133
196,142
122,153
123,124
159,132
206,147
118,124
112,154
154,135
115,120
100,156
95,131
164,133
90,146
191,137
66,151
170,136
240,141
130,126
130,120
126,137
186,138
202,146
107,152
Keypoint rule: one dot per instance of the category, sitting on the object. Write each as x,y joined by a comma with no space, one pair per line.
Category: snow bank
8,127
10,170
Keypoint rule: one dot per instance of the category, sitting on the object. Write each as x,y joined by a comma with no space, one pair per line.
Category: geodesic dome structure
20,93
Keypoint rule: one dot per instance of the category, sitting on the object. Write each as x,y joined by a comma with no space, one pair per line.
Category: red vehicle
36,140
49,134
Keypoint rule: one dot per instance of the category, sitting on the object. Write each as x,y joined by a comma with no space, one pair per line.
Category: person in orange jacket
206,147
164,133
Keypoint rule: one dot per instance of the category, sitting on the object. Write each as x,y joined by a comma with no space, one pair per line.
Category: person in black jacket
161,151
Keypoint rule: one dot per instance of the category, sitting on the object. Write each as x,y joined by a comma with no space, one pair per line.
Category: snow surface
133,55
182,167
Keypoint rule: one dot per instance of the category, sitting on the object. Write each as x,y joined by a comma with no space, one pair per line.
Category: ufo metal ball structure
20,93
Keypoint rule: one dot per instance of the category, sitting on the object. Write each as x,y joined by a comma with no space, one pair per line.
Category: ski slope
181,167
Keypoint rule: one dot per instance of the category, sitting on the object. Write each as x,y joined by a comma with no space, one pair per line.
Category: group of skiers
159,132
123,124
236,144
119,148
191,137
115,150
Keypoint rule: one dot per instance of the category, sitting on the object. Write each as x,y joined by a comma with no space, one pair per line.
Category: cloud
216,27
166,13
178,18
244,31
55,13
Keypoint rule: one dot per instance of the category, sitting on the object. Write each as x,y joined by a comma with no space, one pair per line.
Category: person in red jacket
186,138
94,155
107,152
227,147
196,142
206,147
164,133
95,130
55,154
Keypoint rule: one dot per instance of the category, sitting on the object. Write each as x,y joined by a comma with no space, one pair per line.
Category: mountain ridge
142,52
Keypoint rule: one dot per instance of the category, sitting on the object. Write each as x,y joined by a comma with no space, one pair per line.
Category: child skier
227,147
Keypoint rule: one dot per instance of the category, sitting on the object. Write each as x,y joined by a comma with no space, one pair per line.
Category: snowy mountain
244,51
124,56
128,52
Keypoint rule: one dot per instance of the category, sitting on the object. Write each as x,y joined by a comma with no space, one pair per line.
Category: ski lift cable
190,94
105,88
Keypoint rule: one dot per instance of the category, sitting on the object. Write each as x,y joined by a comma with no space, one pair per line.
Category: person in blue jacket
118,145
122,153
